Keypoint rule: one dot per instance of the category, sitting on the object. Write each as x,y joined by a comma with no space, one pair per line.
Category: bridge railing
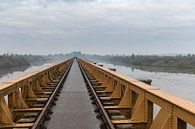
18,96
136,101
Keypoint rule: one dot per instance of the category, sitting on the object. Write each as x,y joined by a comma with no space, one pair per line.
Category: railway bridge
80,94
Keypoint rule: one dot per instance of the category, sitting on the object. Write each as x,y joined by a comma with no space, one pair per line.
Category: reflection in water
132,69
8,74
8,71
179,84
175,83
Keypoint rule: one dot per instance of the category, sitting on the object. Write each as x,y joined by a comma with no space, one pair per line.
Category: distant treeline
15,60
155,61
179,63
158,63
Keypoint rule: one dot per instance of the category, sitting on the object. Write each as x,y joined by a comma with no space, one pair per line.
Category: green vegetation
177,64
155,63
14,60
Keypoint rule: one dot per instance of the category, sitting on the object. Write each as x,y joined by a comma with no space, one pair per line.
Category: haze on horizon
97,26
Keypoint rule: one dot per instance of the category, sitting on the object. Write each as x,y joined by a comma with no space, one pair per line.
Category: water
9,74
179,84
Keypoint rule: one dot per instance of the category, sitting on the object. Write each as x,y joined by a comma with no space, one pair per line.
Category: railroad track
44,114
126,103
91,82
105,105
121,102
30,98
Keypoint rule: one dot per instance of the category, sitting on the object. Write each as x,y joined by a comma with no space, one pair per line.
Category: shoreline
175,70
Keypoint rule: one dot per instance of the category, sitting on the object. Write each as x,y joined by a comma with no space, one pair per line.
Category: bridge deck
121,101
73,110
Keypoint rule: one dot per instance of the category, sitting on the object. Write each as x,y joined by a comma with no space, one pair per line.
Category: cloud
97,23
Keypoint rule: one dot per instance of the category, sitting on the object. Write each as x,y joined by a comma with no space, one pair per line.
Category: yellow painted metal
18,97
138,98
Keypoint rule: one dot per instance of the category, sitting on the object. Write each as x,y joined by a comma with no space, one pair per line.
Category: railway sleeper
120,121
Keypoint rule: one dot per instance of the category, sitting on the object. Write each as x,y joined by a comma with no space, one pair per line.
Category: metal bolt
91,98
50,112
98,116
55,98
96,110
54,103
47,118
93,102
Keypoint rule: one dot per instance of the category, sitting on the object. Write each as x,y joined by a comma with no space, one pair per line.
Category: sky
97,26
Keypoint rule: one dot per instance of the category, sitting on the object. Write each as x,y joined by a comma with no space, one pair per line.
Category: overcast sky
97,26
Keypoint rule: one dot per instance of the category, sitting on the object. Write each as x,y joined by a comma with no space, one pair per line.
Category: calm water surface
182,85
179,84
9,74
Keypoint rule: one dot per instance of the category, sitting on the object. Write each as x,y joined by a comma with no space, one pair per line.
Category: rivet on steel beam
47,118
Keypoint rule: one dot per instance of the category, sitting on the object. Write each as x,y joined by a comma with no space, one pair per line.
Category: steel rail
40,120
105,117
179,111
